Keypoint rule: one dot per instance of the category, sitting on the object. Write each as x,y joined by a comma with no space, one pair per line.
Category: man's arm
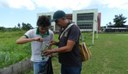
23,39
63,49
67,48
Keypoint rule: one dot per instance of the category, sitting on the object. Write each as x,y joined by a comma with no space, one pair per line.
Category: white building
87,20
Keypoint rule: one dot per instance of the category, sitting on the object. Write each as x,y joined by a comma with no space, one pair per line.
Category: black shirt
71,58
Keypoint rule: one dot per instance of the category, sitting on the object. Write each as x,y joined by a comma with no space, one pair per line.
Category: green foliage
18,28
109,53
26,26
119,20
10,52
2,28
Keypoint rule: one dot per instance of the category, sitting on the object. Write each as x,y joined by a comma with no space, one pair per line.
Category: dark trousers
47,68
70,70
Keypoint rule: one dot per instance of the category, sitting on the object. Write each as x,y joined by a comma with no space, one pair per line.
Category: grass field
109,53
10,52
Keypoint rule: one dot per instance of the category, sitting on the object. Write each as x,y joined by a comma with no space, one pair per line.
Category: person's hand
53,43
38,39
46,55
48,52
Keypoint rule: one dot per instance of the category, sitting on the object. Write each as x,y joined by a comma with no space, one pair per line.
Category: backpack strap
66,29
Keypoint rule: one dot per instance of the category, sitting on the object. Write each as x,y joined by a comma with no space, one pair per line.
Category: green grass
10,52
109,53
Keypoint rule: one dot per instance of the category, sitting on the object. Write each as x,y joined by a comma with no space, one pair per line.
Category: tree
19,25
110,23
2,28
26,26
119,20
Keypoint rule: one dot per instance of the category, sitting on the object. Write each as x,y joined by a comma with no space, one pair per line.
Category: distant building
87,20
112,28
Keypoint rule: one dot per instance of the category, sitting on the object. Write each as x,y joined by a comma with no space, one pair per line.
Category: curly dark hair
43,21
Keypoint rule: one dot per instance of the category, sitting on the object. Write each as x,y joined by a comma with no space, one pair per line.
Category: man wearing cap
68,46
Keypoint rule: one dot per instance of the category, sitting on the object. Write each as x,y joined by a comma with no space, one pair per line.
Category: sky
13,12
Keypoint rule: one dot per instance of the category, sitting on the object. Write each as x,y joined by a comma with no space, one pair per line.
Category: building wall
87,20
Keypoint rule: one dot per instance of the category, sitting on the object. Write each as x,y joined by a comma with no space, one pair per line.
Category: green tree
119,20
2,28
26,26
19,25
110,23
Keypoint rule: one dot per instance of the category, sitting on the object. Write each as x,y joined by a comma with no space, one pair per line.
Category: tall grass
10,52
109,53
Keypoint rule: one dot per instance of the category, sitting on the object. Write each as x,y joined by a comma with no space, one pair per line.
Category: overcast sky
13,12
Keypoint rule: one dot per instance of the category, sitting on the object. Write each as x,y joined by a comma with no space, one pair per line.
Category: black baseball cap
58,14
